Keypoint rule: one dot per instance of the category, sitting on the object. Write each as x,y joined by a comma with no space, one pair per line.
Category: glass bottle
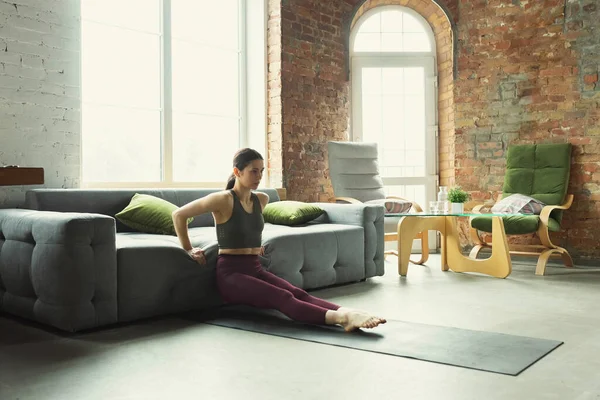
442,198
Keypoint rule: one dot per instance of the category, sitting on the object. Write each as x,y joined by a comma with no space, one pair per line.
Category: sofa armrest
58,268
370,217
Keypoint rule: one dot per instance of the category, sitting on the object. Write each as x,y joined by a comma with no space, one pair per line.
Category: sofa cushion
112,201
540,171
315,255
393,206
149,214
291,212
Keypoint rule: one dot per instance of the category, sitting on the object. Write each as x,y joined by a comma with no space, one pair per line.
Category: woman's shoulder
262,196
222,196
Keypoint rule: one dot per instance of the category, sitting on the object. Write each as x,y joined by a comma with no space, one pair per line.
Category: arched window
392,30
394,98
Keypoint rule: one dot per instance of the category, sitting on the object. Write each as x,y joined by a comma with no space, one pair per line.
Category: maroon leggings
242,280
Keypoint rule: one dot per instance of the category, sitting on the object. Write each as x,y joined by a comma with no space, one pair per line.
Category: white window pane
393,158
411,25
391,172
371,118
371,24
371,81
120,145
393,80
391,21
205,79
414,80
367,42
414,123
195,157
412,42
142,15
209,22
391,42
120,66
415,158
393,116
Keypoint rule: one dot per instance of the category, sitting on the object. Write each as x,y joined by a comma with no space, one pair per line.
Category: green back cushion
149,214
291,212
540,171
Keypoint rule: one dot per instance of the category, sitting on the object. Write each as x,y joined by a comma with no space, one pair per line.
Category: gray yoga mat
485,351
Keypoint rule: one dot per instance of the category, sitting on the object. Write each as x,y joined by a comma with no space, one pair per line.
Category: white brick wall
39,92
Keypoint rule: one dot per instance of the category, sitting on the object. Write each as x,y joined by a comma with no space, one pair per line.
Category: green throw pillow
291,212
149,214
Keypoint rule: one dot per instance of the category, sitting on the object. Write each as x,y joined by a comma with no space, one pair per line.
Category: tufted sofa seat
67,262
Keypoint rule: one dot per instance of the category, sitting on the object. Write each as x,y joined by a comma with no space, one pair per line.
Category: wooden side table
498,264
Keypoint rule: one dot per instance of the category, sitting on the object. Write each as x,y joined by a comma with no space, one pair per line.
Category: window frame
252,119
381,59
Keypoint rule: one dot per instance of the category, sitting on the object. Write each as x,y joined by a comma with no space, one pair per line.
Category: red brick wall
274,118
315,94
527,73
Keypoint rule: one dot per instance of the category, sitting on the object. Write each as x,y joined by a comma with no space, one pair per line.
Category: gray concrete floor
178,358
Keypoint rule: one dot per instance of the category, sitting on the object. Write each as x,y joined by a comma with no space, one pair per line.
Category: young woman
240,277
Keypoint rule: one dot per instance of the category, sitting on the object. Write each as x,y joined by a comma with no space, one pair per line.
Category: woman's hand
263,250
197,255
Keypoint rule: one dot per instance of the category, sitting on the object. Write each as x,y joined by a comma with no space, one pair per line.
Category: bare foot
352,320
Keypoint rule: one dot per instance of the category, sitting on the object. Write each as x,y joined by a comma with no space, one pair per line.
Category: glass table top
451,214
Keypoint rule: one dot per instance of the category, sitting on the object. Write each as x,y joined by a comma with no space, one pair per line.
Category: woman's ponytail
230,182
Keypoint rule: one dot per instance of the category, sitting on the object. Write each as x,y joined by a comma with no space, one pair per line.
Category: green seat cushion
515,225
289,212
149,214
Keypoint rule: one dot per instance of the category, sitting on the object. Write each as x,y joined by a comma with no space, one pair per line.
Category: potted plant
457,197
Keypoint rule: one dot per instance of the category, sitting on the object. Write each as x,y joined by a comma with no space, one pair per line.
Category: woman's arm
211,203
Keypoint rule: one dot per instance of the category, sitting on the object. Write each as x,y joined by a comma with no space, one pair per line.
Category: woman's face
251,175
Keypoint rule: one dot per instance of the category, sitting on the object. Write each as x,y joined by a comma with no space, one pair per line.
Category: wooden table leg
498,264
408,227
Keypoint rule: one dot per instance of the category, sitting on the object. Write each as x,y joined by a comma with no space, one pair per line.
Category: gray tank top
242,230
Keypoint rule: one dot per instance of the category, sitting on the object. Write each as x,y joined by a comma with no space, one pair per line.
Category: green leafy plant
457,195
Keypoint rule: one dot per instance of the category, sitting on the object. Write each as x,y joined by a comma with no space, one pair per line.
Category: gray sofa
66,262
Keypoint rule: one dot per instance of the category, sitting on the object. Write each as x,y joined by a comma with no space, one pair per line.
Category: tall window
393,98
165,89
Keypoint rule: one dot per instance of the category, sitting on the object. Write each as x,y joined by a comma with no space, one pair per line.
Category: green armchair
540,171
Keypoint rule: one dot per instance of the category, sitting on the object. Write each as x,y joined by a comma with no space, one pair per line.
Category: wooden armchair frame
543,251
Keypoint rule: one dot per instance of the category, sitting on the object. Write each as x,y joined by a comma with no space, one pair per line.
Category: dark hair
241,160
